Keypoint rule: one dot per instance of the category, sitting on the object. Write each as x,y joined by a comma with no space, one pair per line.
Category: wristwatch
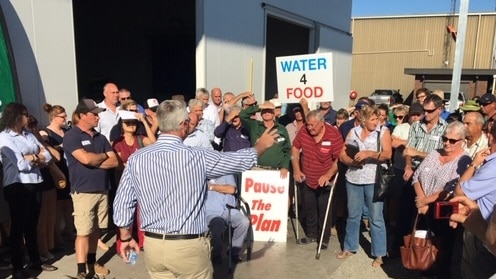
473,165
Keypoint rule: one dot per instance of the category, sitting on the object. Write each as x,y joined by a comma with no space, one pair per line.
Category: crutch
297,233
333,185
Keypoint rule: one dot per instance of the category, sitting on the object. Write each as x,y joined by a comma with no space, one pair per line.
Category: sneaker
307,240
100,270
81,275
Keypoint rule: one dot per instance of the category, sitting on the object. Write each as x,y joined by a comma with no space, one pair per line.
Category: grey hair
235,108
170,115
315,114
195,103
479,119
458,128
201,91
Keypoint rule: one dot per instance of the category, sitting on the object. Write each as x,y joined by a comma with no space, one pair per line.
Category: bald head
193,122
111,94
216,96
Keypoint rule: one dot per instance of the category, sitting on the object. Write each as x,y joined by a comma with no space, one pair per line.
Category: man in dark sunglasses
124,95
488,108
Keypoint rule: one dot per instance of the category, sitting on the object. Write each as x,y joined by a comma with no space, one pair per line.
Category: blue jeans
357,195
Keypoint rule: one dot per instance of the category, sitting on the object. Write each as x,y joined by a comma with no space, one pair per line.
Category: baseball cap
487,99
267,105
151,104
416,108
88,105
360,104
470,105
127,115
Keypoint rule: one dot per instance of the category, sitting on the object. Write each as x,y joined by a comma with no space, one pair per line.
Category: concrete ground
269,260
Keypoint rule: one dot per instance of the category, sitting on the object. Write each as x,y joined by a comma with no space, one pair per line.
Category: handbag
419,253
384,177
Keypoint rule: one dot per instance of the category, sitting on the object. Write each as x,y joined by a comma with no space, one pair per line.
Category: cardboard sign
267,195
305,76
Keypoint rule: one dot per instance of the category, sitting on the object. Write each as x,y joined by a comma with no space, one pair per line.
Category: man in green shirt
278,156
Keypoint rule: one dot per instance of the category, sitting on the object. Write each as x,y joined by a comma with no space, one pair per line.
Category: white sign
305,76
267,195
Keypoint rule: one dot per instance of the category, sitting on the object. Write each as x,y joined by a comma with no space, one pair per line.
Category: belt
174,236
266,167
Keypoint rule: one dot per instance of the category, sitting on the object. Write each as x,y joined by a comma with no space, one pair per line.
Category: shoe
100,270
4,265
217,259
323,246
344,254
102,245
377,262
81,275
22,274
43,267
307,240
236,259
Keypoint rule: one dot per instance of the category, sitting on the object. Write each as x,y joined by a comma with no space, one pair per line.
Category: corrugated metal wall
384,47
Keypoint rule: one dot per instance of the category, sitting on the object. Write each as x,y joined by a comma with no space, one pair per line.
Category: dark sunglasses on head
399,117
130,122
451,141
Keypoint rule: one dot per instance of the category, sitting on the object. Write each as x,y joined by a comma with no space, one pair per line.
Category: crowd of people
171,170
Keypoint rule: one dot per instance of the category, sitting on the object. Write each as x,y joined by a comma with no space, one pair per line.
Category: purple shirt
233,139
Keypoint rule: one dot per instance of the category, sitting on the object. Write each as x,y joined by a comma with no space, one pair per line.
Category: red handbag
419,253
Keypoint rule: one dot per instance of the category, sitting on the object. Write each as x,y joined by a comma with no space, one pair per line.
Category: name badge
435,138
326,143
85,142
280,139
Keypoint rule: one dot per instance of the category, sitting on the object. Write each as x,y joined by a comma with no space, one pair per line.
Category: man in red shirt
319,146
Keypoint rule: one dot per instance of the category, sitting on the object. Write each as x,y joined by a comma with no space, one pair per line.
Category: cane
333,185
296,212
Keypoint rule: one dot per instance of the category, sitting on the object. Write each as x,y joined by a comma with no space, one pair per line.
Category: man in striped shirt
320,145
169,182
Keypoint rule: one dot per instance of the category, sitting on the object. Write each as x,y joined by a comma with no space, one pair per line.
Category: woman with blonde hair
362,156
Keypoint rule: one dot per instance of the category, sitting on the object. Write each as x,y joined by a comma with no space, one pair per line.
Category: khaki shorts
90,212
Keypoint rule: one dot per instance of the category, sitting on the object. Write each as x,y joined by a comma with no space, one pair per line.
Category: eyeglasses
400,117
430,110
451,141
125,98
130,122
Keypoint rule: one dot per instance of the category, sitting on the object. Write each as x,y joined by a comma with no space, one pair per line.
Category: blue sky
415,7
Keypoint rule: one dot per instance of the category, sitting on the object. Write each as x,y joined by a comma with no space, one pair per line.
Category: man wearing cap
108,117
278,156
89,157
151,106
299,121
488,107
328,112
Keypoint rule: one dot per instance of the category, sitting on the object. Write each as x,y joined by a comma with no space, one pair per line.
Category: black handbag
383,178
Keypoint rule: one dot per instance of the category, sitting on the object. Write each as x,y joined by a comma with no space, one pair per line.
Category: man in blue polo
89,156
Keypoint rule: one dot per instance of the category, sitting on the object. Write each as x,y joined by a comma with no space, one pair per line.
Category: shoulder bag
383,178
419,252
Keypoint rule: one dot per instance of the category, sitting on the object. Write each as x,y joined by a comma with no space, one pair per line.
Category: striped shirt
423,140
317,157
435,176
169,181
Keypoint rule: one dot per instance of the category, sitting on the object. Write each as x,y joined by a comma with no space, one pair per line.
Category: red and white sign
305,76
267,195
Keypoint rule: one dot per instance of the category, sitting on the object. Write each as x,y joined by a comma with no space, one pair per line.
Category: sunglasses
399,117
133,110
125,98
430,110
130,122
451,141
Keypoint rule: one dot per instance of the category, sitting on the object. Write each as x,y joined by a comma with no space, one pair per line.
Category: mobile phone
445,209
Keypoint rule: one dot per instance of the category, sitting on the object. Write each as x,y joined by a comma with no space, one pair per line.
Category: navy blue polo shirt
83,178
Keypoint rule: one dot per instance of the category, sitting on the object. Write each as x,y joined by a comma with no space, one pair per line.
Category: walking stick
333,185
296,212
